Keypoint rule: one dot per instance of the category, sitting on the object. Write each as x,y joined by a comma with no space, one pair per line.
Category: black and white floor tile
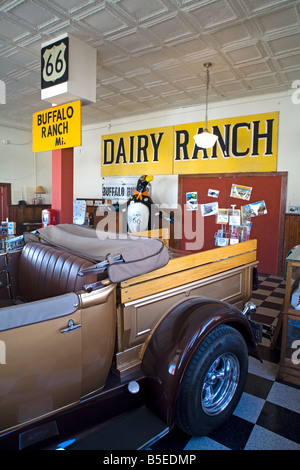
268,414
269,299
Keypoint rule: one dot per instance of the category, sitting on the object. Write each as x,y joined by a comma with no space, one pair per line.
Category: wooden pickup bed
221,273
184,269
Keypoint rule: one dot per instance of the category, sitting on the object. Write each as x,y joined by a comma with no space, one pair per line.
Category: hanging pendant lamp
206,139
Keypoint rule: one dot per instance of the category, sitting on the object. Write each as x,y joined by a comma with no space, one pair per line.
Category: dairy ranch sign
245,144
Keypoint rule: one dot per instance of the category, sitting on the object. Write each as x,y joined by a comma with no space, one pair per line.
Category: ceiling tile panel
33,14
148,79
224,76
214,14
9,30
107,53
168,29
264,82
20,57
156,57
289,43
189,83
174,72
232,35
278,20
123,86
126,67
290,61
233,87
245,54
143,10
104,75
70,6
191,46
140,94
291,76
257,6
28,78
102,21
256,68
133,41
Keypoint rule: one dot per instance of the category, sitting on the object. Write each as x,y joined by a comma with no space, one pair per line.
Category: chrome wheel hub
220,384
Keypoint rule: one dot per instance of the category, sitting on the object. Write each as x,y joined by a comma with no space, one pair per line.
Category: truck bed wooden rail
188,268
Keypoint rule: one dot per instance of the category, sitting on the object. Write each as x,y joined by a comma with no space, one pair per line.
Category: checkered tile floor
268,414
269,299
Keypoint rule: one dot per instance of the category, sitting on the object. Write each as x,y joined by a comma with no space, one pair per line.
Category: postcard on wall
210,208
191,201
240,192
222,217
213,193
254,209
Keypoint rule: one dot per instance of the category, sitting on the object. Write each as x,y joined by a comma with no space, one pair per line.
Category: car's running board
135,431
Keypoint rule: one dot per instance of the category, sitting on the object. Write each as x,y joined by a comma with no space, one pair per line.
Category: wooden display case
289,368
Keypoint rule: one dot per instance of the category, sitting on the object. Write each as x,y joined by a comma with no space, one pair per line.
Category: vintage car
108,342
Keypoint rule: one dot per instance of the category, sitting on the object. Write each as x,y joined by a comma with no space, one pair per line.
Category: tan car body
60,351
47,370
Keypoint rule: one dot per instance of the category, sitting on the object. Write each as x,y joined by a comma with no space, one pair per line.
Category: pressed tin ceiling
150,53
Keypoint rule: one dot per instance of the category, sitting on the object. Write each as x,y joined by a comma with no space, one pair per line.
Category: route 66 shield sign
54,59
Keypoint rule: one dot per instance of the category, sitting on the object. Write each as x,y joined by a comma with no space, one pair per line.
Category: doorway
5,200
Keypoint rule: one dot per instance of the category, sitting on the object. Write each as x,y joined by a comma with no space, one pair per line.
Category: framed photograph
222,217
191,201
211,208
213,193
240,192
255,209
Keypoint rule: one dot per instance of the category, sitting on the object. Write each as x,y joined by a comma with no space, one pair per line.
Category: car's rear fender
174,342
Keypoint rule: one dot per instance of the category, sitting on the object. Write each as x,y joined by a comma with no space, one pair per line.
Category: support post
62,184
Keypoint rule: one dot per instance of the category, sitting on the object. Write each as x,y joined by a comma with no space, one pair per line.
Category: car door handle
71,327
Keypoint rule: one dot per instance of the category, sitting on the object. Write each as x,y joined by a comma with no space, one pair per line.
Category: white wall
23,169
20,167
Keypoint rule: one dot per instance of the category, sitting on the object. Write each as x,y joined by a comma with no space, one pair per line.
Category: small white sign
79,211
118,188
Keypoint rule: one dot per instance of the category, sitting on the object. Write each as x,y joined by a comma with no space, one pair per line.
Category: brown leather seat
45,271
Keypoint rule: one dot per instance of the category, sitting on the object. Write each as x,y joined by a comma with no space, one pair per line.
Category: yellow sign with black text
134,153
245,144
58,127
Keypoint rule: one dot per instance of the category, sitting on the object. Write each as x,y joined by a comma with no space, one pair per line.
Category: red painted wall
267,229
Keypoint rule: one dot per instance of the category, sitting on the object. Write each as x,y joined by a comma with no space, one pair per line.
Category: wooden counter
26,216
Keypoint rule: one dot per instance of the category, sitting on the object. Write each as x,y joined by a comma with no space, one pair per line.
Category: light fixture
40,190
206,139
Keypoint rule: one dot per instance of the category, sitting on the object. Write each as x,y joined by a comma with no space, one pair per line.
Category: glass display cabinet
289,367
